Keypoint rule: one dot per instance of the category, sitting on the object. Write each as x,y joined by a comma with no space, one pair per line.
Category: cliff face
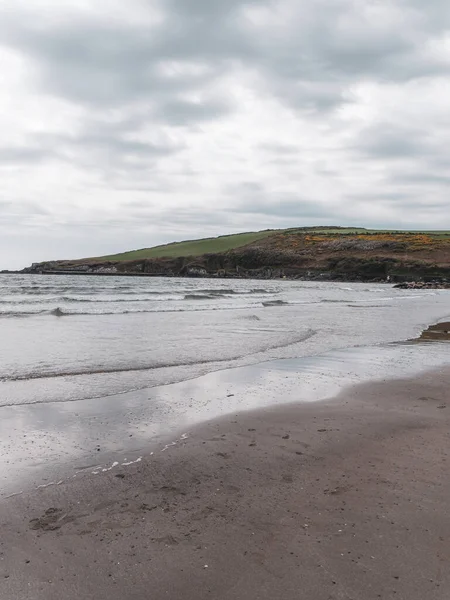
296,254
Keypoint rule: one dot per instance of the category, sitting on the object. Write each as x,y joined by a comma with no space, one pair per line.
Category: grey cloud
164,219
434,15
421,178
105,147
24,213
412,205
98,63
245,188
118,146
282,161
387,140
284,206
326,172
408,201
138,204
85,149
428,203
313,68
23,155
138,92
205,9
209,220
252,198
103,64
22,207
278,148
292,209
380,196
183,112
252,204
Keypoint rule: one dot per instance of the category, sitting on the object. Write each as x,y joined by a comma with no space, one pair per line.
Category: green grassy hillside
224,243
326,253
192,247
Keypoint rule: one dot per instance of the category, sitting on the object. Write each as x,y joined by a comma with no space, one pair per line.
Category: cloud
388,141
417,179
295,209
182,112
107,63
23,155
278,148
25,215
253,199
309,55
192,117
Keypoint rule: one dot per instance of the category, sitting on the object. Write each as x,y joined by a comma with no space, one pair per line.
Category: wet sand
341,499
440,332
49,442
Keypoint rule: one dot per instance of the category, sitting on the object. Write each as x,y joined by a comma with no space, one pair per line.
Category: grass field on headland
232,242
193,247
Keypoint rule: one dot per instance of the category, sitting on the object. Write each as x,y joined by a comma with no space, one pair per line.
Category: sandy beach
343,499
224,300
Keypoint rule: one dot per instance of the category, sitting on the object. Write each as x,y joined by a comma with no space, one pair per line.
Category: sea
96,366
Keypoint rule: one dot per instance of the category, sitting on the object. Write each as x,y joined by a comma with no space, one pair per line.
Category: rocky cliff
301,254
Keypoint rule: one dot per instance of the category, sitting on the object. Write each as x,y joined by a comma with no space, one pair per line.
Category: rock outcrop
398,258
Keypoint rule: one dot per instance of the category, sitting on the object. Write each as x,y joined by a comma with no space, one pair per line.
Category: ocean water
66,338
96,372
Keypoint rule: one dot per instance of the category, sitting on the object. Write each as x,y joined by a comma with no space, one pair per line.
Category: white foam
132,462
182,437
113,466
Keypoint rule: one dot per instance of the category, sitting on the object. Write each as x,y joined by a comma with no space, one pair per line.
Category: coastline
317,253
397,281
62,437
343,498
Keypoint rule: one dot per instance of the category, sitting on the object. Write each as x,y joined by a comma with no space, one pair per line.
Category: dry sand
344,499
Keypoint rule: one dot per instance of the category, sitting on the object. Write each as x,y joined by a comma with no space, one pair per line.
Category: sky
128,124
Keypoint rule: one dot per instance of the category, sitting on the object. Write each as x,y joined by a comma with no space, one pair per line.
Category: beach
214,439
224,300
345,498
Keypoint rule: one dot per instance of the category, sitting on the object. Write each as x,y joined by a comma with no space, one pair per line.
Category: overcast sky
127,124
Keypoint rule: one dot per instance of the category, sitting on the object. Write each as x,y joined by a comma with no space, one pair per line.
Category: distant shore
315,253
419,284
346,498
87,274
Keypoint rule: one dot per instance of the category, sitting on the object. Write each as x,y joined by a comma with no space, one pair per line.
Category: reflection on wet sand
49,442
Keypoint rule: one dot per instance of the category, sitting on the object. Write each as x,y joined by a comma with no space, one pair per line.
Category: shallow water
120,334
43,444
83,391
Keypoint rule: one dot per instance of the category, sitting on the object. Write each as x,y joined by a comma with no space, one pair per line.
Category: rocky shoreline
401,281
400,258
423,285
267,274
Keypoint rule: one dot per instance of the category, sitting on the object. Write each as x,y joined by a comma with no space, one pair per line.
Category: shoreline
399,282
104,432
343,498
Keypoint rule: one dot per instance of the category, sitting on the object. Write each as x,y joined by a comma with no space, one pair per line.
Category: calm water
70,337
